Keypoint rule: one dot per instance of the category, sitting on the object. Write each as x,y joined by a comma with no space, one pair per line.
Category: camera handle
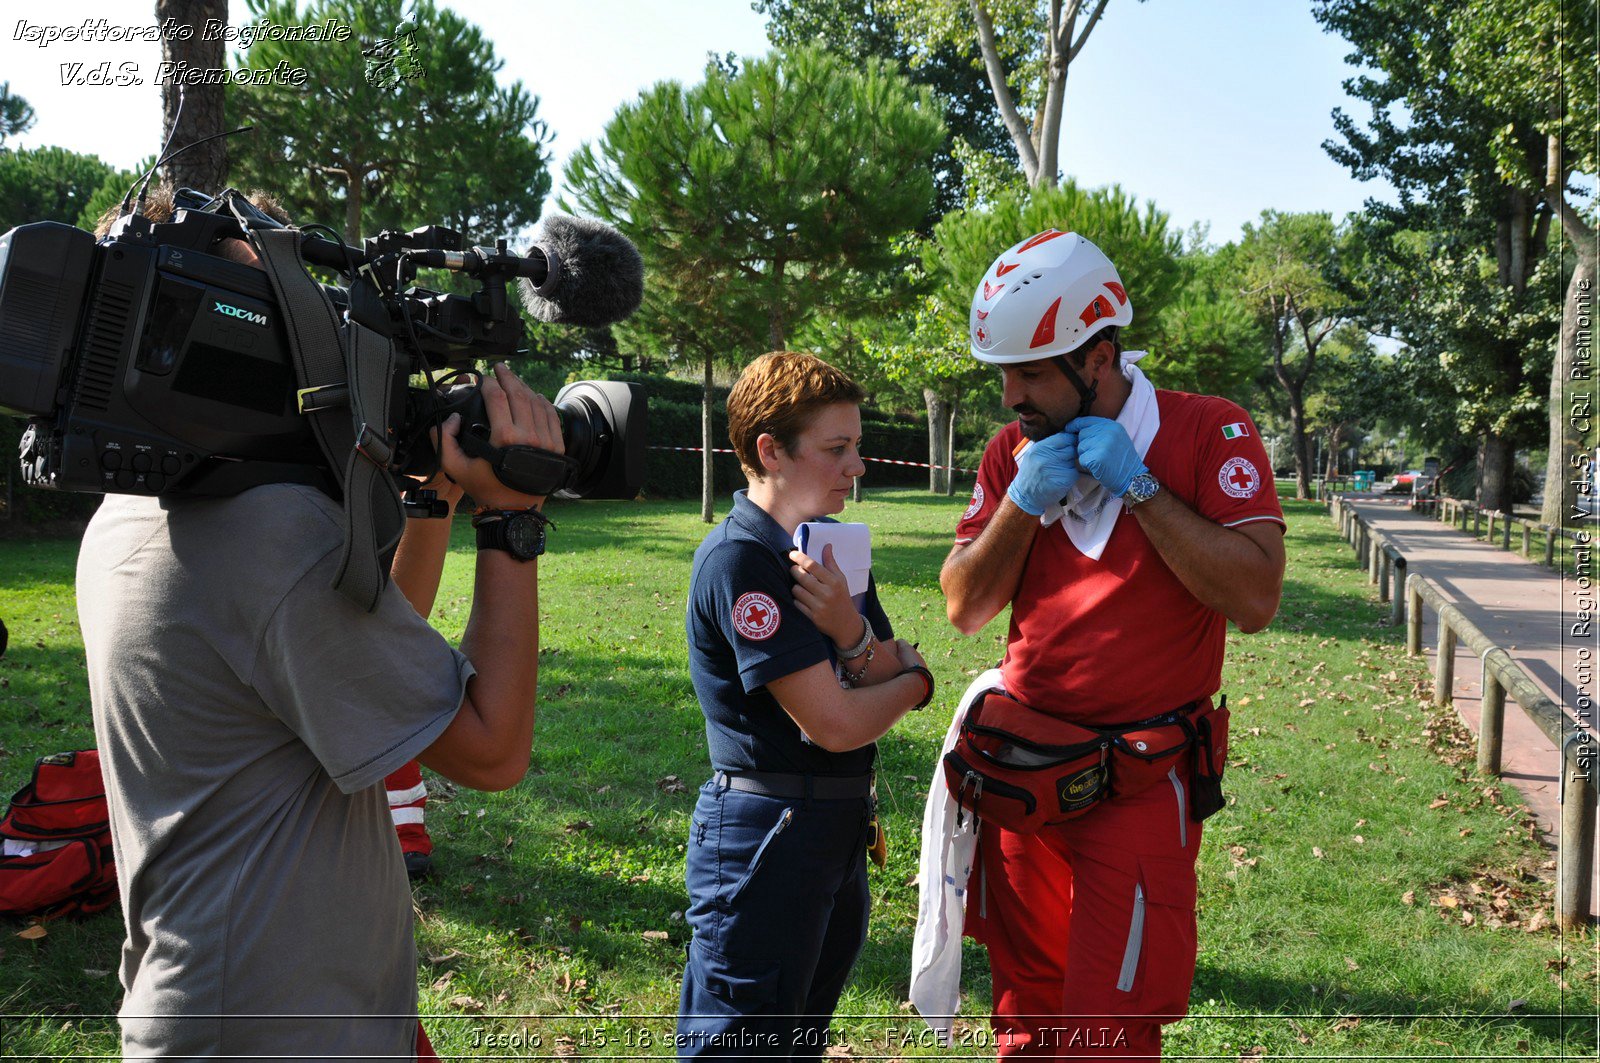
524,469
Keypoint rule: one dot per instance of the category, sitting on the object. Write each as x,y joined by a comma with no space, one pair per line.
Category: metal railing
1502,676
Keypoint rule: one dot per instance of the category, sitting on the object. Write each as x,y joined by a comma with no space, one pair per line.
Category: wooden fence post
1444,674
1505,533
1526,547
1491,723
1397,613
1414,617
1575,860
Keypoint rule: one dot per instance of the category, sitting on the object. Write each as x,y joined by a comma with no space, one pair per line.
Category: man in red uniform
1124,526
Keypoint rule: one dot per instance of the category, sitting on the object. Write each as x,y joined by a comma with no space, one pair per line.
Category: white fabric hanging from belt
946,865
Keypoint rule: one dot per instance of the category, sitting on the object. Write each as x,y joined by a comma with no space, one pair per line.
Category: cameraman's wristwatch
519,532
1141,488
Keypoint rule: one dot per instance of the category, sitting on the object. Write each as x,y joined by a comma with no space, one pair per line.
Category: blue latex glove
1046,471
1106,453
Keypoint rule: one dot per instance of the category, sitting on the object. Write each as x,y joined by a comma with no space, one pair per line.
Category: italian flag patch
1234,431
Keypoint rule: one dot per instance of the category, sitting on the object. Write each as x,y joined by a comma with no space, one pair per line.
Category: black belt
779,784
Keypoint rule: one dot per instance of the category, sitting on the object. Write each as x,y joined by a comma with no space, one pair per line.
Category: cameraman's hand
517,415
446,489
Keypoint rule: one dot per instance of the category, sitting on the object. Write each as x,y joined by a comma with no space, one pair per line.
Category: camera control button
170,465
154,482
142,462
126,478
111,460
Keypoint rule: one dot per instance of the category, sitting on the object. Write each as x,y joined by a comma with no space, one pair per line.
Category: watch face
522,535
1142,488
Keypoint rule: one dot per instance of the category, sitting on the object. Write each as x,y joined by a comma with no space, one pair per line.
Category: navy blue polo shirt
745,631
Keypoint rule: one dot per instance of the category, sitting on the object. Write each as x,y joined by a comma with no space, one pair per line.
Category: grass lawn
1365,895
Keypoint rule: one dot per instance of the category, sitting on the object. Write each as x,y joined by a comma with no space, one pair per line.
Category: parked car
1403,479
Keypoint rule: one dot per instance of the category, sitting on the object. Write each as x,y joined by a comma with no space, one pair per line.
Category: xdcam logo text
243,315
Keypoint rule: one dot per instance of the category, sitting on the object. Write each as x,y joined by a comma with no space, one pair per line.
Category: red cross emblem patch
977,502
1239,478
755,616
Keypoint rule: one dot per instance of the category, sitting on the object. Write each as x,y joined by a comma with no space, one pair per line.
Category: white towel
946,864
1090,513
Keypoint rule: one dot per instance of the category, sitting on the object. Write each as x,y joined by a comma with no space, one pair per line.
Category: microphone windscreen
601,278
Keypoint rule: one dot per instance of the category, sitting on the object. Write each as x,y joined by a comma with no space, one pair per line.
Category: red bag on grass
55,841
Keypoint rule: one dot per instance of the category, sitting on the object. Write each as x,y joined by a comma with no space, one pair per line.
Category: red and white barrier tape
881,461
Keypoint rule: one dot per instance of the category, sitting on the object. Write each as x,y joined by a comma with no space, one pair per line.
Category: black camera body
148,363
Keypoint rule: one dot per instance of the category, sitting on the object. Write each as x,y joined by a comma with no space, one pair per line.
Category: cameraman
247,713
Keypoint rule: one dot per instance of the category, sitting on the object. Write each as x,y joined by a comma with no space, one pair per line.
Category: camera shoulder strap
334,356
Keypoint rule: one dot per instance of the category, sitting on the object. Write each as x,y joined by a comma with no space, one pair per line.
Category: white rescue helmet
1044,297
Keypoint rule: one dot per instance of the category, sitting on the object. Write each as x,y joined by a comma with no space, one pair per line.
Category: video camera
149,363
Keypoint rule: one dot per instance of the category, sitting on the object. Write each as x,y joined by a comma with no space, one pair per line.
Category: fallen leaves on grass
33,933
671,784
578,825
654,935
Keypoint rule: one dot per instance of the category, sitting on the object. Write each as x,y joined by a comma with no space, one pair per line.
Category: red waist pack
1024,770
55,841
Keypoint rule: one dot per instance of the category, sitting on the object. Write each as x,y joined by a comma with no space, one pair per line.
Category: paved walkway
1522,607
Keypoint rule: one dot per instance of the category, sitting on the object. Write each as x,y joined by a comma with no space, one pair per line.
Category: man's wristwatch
519,532
1141,488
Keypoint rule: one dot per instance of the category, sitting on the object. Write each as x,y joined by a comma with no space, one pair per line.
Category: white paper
852,549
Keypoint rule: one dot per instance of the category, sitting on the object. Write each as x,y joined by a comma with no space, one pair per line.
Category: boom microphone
595,275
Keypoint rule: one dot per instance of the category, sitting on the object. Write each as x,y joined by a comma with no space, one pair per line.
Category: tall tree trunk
1572,393
205,167
707,488
1302,448
1335,438
352,207
1007,107
938,439
1498,456
950,451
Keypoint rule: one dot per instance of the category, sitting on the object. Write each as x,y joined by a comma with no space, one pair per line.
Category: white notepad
852,549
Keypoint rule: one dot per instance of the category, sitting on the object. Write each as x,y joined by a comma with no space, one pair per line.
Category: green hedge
674,421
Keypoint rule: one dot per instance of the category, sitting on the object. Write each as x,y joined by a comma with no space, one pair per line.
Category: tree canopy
761,197
863,29
16,114
449,145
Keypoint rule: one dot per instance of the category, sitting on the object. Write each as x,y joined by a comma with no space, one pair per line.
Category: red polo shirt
1120,639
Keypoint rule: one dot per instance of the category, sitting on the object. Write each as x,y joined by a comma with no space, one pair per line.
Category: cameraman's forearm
419,562
487,746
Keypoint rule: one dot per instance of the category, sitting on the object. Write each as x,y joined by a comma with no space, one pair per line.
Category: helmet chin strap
1086,392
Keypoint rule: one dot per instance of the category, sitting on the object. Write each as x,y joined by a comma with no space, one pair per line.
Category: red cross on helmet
1044,297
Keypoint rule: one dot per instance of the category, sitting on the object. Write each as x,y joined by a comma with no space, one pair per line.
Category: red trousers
1090,927
408,798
